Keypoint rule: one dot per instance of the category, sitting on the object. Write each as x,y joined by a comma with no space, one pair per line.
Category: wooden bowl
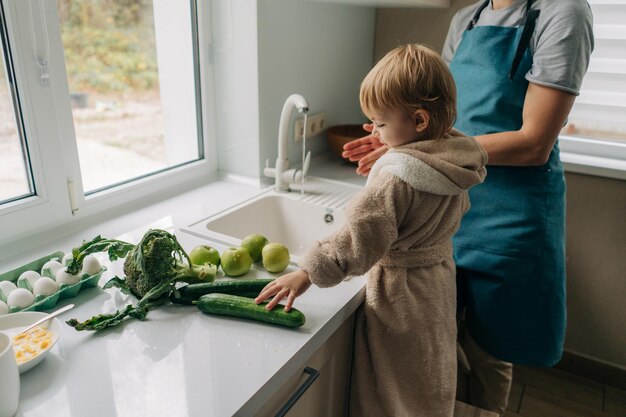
342,134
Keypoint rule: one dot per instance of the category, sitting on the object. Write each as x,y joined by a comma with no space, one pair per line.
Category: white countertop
179,362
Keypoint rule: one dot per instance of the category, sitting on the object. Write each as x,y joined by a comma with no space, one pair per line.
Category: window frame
54,206
33,100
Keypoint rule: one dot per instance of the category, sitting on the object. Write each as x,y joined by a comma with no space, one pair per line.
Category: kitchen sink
296,219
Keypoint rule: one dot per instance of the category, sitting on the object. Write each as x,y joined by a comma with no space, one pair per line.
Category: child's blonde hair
408,78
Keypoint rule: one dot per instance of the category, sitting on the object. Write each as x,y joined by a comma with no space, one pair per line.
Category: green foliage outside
109,45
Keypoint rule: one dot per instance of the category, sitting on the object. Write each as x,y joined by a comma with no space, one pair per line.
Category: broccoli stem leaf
103,321
158,292
117,282
115,249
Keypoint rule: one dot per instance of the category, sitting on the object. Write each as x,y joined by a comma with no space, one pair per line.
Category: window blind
600,110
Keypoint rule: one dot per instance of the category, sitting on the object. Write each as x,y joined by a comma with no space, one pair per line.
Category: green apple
275,257
203,254
254,244
236,261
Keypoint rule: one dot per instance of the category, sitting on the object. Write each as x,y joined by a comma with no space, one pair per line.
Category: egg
7,287
67,259
64,277
91,265
45,286
31,277
20,297
4,308
52,266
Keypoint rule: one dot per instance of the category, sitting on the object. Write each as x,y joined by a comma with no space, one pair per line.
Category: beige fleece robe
399,228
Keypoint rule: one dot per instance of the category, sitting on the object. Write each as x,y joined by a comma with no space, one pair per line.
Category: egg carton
43,302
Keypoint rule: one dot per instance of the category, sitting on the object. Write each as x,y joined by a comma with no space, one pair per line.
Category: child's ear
422,119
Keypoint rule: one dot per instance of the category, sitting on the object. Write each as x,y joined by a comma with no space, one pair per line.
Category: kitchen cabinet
327,396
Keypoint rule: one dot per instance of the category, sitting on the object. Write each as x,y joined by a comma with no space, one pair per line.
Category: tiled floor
556,393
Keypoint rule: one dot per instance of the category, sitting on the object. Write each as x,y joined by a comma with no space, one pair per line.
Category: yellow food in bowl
30,344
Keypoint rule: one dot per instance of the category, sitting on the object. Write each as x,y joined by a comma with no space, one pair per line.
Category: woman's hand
290,285
366,150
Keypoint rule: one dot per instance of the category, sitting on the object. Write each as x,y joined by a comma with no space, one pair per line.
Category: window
121,88
594,139
16,177
101,105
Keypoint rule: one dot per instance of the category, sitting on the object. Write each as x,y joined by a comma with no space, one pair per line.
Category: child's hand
290,285
366,150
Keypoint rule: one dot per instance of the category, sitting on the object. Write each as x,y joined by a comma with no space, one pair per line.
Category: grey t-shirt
561,43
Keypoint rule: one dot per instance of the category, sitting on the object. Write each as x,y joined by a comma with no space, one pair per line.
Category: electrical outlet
315,125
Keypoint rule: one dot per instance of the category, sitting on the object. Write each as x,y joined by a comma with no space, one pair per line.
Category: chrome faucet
284,176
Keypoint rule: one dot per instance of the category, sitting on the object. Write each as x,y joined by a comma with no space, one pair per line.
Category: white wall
319,50
268,49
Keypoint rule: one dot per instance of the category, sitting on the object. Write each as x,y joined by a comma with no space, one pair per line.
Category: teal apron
510,249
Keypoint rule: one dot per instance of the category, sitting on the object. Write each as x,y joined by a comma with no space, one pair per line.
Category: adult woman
518,65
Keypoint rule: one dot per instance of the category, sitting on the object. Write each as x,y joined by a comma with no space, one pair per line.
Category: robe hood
444,166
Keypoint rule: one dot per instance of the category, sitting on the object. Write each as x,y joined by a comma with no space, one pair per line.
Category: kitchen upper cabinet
393,3
326,395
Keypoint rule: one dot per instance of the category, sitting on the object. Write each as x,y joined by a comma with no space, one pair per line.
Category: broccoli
152,268
159,260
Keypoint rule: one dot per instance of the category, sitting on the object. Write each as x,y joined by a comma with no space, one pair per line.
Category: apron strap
472,22
529,28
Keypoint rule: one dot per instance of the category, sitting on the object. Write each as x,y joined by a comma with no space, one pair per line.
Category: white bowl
13,323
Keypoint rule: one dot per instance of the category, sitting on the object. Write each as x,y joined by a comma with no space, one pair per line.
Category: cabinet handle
313,374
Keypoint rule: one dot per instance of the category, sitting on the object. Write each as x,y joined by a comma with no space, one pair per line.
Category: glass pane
14,171
131,73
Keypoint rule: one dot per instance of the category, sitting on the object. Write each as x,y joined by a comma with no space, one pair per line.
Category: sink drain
329,218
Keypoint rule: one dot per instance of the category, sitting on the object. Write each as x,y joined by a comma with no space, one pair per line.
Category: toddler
399,231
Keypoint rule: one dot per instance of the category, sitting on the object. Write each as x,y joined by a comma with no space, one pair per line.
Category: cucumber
243,287
247,308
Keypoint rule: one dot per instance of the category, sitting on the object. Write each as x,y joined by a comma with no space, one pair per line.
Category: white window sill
593,157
